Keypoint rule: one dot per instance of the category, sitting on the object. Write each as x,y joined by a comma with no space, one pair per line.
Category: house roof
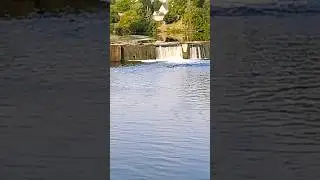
163,7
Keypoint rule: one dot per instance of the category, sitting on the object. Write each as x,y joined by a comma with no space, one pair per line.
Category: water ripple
267,98
160,120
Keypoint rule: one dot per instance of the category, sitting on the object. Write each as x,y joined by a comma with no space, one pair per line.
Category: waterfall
197,52
169,52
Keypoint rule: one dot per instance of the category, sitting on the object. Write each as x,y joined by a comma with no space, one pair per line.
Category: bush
170,18
198,22
177,7
131,23
152,28
114,17
122,5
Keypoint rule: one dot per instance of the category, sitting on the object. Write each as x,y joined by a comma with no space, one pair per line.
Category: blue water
160,121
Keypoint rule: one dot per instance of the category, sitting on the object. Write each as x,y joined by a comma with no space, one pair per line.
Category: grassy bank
130,39
187,20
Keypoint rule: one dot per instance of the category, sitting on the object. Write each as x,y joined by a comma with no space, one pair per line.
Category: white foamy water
195,52
169,52
173,54
175,61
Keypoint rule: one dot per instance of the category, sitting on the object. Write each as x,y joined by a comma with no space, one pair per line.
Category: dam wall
148,51
126,52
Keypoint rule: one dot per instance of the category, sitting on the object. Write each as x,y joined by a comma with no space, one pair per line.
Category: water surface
160,121
266,85
54,98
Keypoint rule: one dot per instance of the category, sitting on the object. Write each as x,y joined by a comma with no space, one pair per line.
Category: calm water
160,121
266,82
54,98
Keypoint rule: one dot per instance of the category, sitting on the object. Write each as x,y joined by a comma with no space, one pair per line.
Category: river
266,109
54,98
160,123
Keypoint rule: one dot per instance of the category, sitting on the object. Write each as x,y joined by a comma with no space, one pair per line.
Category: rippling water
53,98
266,82
160,121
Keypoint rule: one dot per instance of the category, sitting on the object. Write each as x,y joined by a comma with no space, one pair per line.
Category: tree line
134,17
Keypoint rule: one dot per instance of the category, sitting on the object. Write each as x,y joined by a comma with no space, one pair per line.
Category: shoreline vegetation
186,20
130,20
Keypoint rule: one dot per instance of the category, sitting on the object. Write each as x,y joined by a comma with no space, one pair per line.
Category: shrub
197,22
131,23
170,18
152,28
114,17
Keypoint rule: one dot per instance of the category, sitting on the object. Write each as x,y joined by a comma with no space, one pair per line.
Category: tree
130,23
146,8
199,3
170,18
197,22
177,7
122,6
114,17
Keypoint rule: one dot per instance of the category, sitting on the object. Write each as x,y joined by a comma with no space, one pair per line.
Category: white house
163,10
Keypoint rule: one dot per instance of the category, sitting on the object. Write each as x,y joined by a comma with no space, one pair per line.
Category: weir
166,51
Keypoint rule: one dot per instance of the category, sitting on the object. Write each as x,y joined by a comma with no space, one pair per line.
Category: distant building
163,10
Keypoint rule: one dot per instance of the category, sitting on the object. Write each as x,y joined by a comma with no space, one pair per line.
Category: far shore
140,39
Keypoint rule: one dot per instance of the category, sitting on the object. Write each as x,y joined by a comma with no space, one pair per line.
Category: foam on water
169,52
173,55
177,61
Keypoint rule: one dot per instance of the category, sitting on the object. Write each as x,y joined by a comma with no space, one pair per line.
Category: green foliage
130,23
114,17
135,17
199,3
170,18
121,6
146,8
197,22
177,7
152,28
